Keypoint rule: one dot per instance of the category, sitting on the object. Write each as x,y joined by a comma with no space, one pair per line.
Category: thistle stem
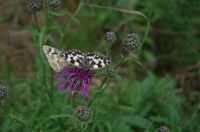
51,85
100,87
3,108
108,50
38,45
122,60
36,22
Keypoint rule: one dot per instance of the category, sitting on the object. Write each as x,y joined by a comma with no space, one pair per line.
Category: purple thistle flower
75,79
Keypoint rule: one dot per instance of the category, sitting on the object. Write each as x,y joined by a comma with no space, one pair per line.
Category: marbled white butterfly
54,58
58,59
90,61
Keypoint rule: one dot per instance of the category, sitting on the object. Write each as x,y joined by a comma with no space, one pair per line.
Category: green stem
103,82
72,99
38,47
122,60
96,94
3,108
106,85
108,50
118,9
36,22
47,16
39,42
51,84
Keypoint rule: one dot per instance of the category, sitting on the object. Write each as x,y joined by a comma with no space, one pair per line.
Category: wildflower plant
84,76
71,71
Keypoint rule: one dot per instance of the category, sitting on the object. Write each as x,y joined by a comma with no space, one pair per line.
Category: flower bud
111,73
3,92
163,129
83,113
34,5
54,3
131,42
110,37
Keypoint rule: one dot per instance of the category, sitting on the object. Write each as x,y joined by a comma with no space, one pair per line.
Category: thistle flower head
34,5
131,42
111,73
3,92
110,37
163,129
54,3
76,80
83,113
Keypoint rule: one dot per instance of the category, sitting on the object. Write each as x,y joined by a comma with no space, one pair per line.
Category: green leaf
136,121
126,108
159,119
61,116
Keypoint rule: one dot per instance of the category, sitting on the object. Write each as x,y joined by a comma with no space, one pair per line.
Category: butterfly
60,59
54,58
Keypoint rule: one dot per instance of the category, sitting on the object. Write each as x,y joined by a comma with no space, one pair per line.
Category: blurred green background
162,90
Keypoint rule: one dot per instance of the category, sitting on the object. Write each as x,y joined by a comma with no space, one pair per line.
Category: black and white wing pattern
55,60
73,57
90,61
97,61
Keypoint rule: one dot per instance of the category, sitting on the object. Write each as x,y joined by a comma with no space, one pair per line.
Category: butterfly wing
73,57
91,61
97,61
56,61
